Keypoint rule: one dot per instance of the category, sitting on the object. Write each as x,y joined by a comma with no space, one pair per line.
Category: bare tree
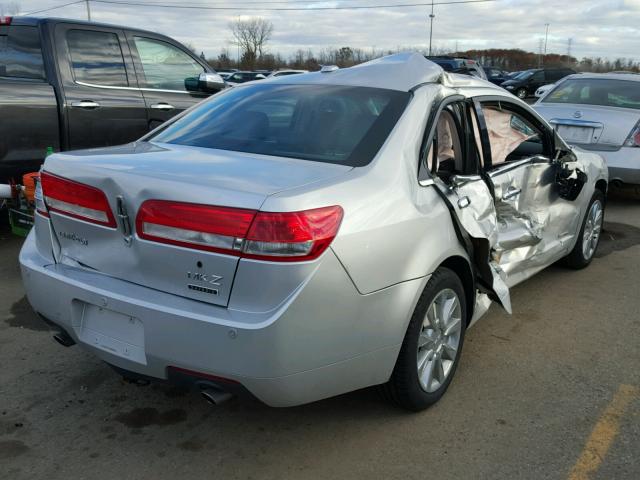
251,36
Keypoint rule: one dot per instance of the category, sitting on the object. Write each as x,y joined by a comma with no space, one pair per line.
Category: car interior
511,138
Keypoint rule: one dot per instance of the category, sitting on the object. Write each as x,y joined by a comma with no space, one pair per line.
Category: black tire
403,388
521,93
576,258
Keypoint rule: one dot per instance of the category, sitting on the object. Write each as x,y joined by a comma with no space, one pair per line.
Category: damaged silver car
307,236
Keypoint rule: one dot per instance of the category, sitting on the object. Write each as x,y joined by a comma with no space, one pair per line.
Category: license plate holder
113,332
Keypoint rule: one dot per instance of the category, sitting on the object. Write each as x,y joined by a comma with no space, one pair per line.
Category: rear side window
96,58
325,123
538,77
21,52
166,67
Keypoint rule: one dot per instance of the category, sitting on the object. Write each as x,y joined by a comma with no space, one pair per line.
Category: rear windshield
597,91
325,123
20,52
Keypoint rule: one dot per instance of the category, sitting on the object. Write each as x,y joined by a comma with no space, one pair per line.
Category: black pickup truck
68,85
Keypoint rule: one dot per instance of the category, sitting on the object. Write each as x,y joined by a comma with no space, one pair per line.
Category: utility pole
540,46
431,17
569,45
88,10
546,36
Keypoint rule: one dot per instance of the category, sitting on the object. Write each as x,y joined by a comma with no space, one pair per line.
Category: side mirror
210,82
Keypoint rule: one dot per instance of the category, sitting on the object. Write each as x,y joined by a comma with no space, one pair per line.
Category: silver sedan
303,237
599,113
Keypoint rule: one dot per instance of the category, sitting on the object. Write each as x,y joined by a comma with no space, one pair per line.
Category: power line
153,4
54,8
272,9
246,2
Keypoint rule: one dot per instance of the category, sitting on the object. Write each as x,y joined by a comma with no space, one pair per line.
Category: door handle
464,202
511,192
88,104
162,106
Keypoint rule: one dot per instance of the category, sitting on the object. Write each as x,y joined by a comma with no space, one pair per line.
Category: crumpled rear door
476,222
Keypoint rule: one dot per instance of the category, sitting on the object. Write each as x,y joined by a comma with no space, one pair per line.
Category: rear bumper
326,339
623,164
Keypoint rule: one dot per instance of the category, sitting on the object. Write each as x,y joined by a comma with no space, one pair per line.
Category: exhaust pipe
215,396
63,339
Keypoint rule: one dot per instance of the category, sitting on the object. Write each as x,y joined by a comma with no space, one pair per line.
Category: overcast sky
607,28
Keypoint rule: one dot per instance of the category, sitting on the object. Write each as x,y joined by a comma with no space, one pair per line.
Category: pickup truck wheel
431,348
521,93
589,235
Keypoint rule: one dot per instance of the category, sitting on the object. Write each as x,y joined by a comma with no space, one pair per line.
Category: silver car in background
599,113
543,90
303,237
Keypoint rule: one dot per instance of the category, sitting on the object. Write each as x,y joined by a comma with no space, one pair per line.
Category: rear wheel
431,348
521,93
589,236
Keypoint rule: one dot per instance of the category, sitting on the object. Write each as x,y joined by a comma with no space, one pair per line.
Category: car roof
34,21
634,77
401,71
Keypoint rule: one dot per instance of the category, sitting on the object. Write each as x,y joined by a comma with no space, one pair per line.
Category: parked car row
527,82
523,84
238,77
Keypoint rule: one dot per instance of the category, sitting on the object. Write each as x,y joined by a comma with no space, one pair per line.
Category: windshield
326,123
597,91
524,75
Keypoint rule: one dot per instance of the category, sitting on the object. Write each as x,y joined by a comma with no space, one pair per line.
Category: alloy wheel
439,340
592,229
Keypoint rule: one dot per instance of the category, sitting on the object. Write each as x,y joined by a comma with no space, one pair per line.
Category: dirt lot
550,392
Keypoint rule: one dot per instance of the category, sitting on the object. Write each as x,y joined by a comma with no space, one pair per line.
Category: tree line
504,59
252,36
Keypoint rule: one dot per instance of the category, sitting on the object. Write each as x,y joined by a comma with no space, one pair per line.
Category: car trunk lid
584,124
132,174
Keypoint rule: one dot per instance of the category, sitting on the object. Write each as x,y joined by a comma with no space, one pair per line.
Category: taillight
284,237
205,227
633,140
5,20
76,200
292,236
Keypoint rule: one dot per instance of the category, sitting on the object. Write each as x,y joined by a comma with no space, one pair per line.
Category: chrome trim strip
575,123
113,87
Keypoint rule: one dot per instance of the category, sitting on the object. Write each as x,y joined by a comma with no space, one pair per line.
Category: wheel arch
602,186
461,267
